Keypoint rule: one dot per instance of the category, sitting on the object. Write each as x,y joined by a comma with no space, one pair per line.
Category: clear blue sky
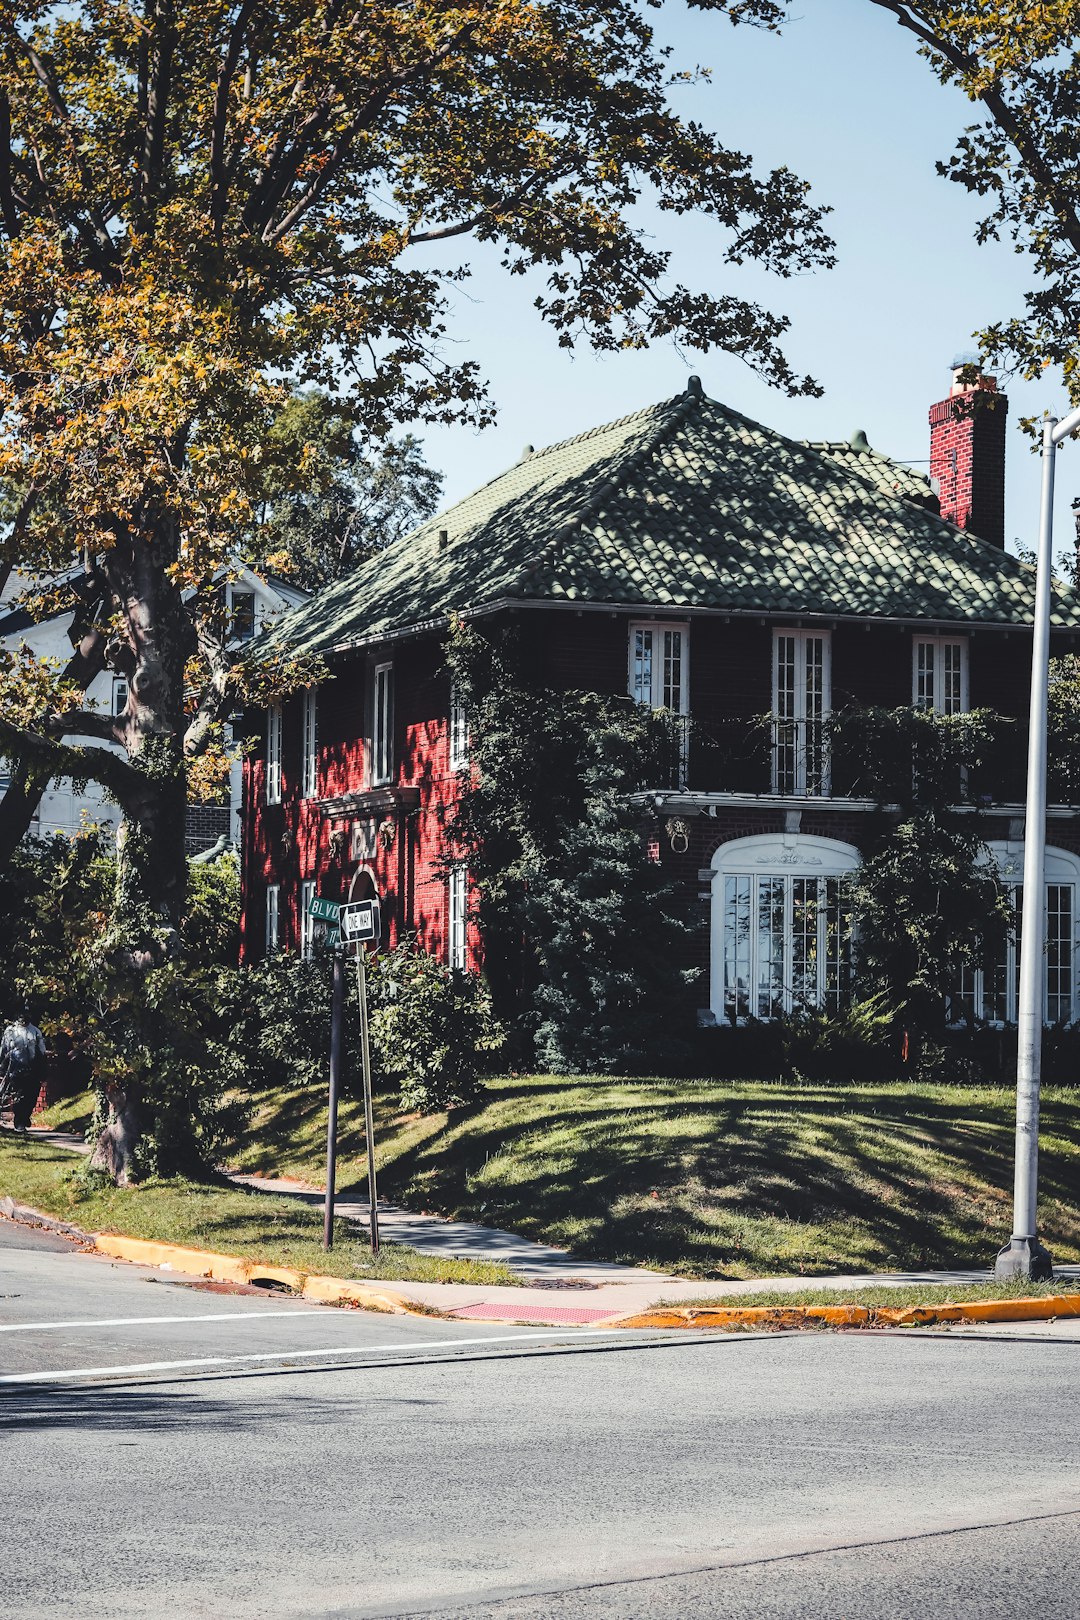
842,98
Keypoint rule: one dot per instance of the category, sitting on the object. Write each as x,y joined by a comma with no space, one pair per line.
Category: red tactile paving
532,1313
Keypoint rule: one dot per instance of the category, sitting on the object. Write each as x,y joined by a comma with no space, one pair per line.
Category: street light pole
1024,1255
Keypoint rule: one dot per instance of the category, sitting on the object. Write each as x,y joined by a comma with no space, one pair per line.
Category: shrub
851,1044
432,1027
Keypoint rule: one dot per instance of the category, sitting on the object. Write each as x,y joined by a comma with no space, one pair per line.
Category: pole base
1024,1257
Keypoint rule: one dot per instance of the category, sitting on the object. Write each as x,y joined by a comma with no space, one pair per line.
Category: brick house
702,563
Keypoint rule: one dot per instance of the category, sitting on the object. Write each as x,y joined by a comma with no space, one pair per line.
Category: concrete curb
1045,1309
26,1215
227,1268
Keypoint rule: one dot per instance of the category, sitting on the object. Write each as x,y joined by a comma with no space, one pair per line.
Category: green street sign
324,910
332,938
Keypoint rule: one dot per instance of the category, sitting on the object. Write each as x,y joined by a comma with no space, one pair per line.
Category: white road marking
297,1355
144,1321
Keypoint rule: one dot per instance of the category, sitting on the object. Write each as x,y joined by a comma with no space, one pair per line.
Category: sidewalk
560,1289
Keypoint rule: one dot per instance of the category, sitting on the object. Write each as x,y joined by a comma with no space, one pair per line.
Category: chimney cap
967,357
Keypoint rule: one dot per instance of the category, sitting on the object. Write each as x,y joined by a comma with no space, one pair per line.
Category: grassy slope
711,1178
255,1226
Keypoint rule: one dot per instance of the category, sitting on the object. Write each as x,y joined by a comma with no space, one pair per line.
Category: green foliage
162,1036
326,503
928,906
432,1027
916,758
852,1044
211,927
582,931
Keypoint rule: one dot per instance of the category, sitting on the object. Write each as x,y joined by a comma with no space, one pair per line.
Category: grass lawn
205,1215
882,1296
707,1179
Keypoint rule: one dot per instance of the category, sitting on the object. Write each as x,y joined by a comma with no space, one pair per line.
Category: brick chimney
967,451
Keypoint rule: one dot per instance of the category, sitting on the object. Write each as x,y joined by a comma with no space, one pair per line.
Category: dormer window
243,615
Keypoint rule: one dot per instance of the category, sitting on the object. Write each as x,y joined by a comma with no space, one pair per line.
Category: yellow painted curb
794,1316
227,1268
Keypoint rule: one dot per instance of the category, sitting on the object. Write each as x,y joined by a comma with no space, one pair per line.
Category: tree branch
7,196
84,762
967,67
94,233
217,167
158,87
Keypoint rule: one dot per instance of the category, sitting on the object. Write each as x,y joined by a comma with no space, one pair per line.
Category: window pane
1059,952
837,945
784,699
671,694
273,754
641,667
737,947
805,987
382,740
770,947
924,674
950,678
243,615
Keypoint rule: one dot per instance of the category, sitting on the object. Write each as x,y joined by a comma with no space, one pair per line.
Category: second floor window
801,703
458,731
309,775
273,754
273,899
659,666
382,725
940,675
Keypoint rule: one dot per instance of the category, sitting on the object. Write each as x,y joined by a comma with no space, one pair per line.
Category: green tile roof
683,505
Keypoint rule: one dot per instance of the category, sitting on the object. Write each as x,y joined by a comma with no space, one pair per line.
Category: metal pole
337,1006
1024,1255
369,1119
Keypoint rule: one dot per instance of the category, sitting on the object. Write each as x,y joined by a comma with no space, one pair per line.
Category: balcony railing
801,758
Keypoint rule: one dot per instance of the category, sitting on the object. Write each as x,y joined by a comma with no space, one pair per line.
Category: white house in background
253,601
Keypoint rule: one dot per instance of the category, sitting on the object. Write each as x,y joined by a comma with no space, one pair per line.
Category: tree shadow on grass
854,1177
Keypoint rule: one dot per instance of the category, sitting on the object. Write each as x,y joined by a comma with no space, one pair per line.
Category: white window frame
273,918
938,646
783,859
1061,872
801,766
660,688
309,772
307,921
457,732
273,754
382,724
246,593
120,690
457,919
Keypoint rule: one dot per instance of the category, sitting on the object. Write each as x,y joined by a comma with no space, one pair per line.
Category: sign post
361,925
337,1005
327,911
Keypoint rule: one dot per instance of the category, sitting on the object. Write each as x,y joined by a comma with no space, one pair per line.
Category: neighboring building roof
681,506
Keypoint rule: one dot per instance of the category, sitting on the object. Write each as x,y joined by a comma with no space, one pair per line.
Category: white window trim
801,637
457,732
457,919
658,626
1061,868
273,754
307,921
769,855
273,918
309,775
382,746
939,643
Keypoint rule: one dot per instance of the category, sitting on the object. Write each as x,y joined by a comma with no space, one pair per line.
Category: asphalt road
243,1456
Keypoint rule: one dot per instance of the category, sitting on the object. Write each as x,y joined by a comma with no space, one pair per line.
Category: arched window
781,929
991,995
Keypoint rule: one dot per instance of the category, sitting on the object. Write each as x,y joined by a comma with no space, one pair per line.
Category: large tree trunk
151,881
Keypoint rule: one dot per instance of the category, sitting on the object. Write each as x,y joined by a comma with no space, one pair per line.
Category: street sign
323,910
360,922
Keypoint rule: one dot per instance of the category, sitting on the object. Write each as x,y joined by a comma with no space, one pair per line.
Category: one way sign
360,922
